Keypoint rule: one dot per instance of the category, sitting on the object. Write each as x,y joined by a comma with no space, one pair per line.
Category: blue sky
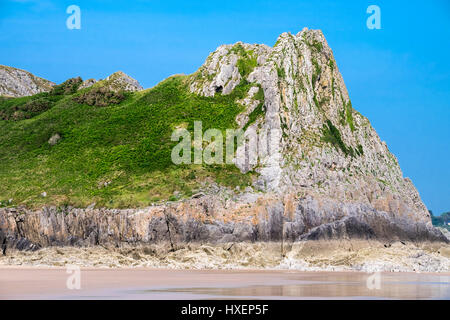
398,77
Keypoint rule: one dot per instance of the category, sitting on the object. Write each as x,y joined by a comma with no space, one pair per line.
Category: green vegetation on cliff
114,152
247,61
332,135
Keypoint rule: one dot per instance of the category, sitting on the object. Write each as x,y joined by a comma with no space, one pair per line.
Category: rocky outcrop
116,82
445,232
87,83
119,81
248,217
19,83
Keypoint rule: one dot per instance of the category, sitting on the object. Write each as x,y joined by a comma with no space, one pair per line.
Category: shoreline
218,271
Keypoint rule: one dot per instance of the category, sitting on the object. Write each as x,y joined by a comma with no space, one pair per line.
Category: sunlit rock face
120,81
19,83
325,146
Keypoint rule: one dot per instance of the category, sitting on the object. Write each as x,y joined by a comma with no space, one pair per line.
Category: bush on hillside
69,86
27,110
100,97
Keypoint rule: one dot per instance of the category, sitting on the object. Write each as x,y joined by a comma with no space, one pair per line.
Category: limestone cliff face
19,83
325,146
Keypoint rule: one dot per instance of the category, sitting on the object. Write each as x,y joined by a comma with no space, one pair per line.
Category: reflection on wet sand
337,285
141,283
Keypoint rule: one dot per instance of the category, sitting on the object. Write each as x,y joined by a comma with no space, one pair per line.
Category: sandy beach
144,283
308,270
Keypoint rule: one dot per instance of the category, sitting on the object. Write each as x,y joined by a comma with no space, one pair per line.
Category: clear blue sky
399,76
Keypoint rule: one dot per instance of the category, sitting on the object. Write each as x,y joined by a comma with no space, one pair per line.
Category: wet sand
142,283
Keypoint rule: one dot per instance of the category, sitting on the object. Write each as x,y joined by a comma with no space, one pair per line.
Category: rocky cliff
327,175
326,146
217,218
19,83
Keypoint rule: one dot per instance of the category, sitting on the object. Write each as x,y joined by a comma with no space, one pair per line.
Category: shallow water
50,283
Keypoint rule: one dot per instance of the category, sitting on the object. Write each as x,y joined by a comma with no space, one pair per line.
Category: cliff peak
121,81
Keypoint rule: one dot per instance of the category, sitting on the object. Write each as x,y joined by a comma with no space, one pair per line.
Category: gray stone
54,139
19,83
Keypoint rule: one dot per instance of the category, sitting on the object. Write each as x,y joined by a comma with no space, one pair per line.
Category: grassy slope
126,144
